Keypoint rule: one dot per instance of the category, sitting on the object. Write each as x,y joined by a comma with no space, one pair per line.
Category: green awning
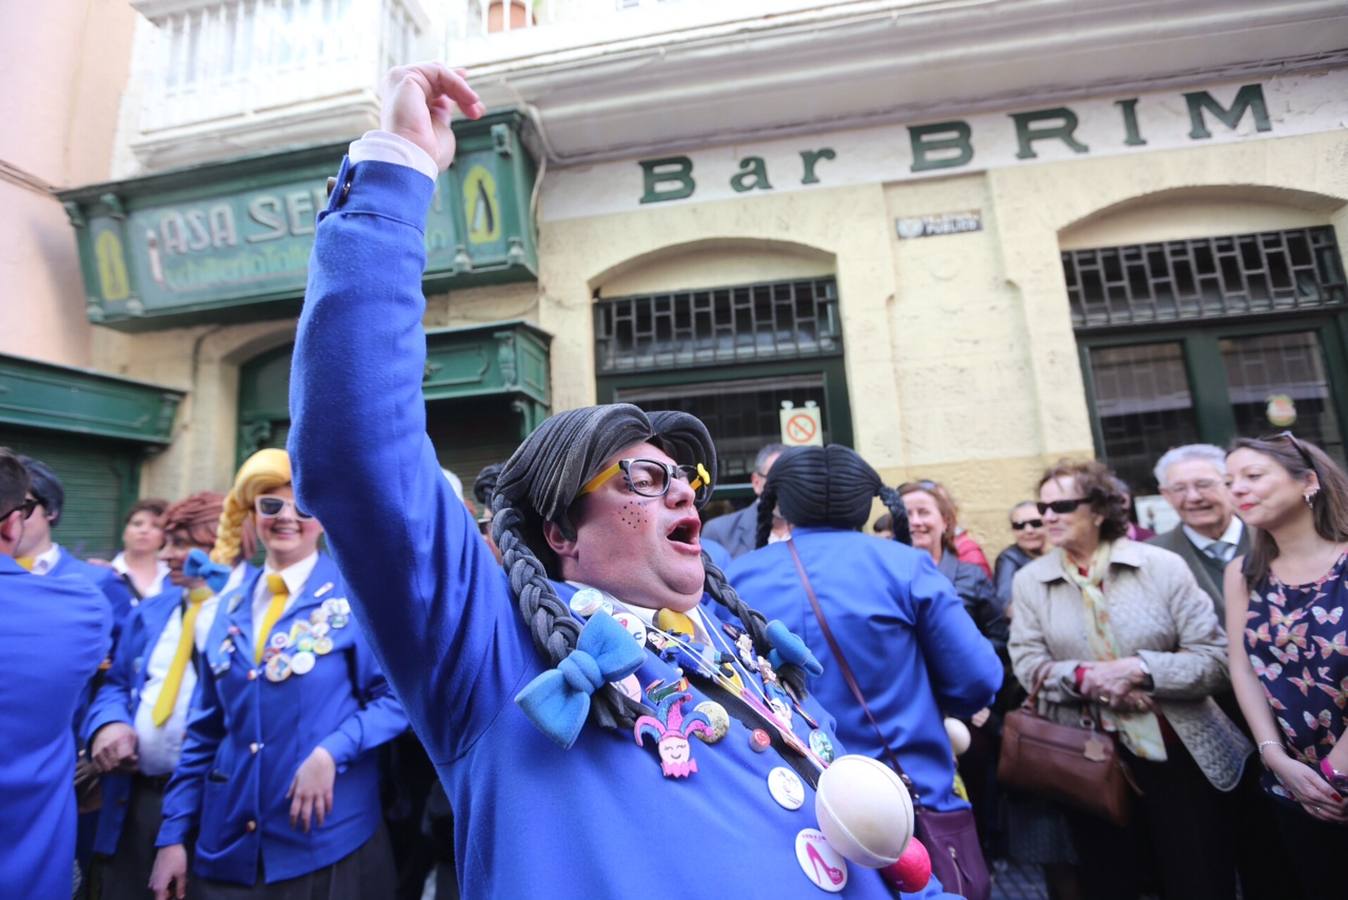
79,401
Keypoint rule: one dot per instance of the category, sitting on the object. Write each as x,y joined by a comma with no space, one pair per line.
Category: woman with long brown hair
1290,671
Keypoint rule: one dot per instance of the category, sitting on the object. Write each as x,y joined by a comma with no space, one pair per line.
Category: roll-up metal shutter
101,480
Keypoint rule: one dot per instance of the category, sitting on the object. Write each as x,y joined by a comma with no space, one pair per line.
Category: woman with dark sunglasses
1289,668
1118,633
277,777
1027,530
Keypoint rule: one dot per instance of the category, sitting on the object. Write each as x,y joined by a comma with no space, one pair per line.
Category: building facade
974,238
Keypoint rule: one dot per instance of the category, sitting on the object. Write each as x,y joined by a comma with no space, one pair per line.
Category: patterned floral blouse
1297,638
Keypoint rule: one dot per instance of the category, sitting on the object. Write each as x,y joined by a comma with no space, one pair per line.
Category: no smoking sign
801,426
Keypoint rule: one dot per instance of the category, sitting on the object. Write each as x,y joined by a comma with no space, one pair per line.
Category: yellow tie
168,693
279,592
26,561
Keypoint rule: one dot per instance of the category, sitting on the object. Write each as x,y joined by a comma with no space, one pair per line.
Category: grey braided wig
541,481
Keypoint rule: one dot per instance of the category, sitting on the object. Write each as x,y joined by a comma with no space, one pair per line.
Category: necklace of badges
295,652
671,637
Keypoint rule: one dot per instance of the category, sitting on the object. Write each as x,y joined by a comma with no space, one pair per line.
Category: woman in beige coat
1120,632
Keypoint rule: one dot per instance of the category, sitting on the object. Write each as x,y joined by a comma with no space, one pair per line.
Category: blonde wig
264,471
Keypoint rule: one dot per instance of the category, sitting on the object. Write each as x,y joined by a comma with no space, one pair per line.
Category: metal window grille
1207,278
742,414
748,323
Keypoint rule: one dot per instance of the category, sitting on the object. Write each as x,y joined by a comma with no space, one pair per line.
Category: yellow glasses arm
703,478
594,483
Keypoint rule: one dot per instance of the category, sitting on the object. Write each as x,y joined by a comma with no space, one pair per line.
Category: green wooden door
101,481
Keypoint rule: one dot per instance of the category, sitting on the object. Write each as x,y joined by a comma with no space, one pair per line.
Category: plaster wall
65,68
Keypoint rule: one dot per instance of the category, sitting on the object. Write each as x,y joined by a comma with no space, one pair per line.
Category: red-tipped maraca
912,871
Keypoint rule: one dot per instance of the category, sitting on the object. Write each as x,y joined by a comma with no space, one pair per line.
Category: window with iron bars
1206,278
747,323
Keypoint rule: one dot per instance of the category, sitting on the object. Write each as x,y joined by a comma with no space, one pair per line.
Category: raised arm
424,586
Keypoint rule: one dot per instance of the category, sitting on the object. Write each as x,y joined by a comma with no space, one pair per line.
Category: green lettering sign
943,138
810,158
751,167
1132,136
1063,120
1249,98
676,169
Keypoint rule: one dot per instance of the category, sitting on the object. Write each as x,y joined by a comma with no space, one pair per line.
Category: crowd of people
567,685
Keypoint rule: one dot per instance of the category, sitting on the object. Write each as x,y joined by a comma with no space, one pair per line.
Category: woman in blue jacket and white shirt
276,776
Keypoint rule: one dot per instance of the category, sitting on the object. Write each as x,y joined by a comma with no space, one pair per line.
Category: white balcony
220,78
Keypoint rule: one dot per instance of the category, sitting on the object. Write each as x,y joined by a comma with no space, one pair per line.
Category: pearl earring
1309,497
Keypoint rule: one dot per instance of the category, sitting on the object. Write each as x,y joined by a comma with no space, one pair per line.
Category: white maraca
959,735
864,810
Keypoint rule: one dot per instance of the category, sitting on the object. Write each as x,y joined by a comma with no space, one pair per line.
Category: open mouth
685,532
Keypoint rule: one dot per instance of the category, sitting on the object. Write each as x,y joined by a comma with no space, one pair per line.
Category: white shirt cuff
385,146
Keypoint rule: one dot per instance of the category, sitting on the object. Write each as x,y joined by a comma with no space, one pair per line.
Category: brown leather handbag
1076,766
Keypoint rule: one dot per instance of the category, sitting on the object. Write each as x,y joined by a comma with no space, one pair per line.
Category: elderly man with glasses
1193,480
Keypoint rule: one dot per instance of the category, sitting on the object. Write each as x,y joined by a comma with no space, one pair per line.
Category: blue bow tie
558,700
199,565
788,648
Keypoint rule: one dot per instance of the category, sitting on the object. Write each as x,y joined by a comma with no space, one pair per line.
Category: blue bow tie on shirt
788,648
199,565
558,700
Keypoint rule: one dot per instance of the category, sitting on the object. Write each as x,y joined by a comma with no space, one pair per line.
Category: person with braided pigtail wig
915,653
579,762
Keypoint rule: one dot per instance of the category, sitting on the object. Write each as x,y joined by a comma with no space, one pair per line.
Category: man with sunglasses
56,633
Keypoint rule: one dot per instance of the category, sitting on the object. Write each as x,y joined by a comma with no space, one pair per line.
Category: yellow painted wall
961,361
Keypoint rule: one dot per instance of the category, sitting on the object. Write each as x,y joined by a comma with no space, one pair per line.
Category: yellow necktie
168,692
26,561
279,592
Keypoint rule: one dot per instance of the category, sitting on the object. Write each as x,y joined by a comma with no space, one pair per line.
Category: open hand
417,102
310,793
114,748
168,879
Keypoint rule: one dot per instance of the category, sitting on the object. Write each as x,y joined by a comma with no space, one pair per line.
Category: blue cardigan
531,819
916,653
56,632
248,735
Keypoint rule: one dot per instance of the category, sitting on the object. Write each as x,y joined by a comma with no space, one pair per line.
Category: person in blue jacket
276,779
597,736
56,632
138,720
43,556
916,655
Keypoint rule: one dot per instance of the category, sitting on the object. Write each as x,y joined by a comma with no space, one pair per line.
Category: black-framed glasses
1061,507
271,507
1299,447
26,507
652,478
1028,523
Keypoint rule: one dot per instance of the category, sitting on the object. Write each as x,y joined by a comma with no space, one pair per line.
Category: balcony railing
228,67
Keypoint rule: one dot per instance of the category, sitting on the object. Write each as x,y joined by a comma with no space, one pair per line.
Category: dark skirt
126,875
366,874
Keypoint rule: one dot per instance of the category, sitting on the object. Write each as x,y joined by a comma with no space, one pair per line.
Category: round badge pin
318,617
821,745
633,625
278,668
279,641
821,863
586,602
786,788
719,718
320,629
338,621
343,606
302,663
630,687
323,645
305,644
